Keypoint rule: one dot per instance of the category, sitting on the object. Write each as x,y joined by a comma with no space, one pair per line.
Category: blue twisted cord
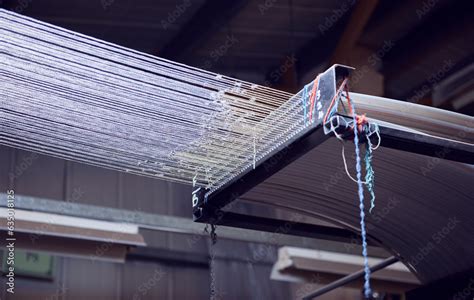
367,290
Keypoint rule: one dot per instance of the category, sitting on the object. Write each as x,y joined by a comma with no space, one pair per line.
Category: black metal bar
350,278
254,177
419,143
206,206
427,145
169,257
286,227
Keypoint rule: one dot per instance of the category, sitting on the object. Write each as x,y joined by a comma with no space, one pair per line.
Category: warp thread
254,150
305,99
94,102
314,92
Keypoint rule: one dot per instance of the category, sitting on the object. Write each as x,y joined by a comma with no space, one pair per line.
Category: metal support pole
351,277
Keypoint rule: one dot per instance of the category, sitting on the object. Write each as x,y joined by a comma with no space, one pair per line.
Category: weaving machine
78,98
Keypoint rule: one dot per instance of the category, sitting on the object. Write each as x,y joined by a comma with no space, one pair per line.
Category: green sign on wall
31,264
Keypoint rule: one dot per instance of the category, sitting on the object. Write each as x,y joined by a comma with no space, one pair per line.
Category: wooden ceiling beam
357,22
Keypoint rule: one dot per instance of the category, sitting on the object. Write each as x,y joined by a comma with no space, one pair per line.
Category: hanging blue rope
369,175
367,290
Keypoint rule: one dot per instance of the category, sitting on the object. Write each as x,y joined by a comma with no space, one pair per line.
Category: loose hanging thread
369,171
254,149
364,126
369,175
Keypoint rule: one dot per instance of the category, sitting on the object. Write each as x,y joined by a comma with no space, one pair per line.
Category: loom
78,98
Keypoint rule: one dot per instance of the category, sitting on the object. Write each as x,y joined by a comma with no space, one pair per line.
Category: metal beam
175,224
350,278
168,256
210,210
290,227
417,142
427,145
190,258
211,16
207,204
282,158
